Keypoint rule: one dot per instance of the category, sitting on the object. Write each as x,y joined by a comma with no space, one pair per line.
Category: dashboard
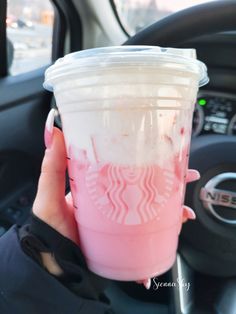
215,113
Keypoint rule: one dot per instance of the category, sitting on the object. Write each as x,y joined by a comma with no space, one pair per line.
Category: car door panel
24,105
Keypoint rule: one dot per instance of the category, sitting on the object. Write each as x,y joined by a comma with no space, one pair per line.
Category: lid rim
123,55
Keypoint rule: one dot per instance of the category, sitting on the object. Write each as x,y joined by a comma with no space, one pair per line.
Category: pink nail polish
146,282
192,175
188,213
48,132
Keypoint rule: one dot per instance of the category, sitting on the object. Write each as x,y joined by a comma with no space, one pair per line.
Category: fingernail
188,213
147,283
192,175
48,132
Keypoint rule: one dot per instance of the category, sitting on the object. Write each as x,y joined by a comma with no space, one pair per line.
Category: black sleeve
26,287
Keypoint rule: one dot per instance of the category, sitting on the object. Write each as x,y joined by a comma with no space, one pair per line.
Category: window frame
3,39
66,20
112,3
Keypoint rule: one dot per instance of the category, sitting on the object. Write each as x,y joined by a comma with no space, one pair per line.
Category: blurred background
137,14
30,26
29,30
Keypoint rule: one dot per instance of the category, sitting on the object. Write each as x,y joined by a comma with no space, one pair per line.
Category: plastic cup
126,116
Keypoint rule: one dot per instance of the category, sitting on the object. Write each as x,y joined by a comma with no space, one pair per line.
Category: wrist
50,263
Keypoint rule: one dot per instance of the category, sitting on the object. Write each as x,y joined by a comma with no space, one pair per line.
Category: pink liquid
128,217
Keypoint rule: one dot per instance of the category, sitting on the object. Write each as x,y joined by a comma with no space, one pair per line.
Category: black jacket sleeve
25,287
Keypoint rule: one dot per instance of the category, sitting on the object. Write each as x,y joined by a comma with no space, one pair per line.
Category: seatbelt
3,38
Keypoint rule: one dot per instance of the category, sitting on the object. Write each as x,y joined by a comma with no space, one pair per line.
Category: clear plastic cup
126,115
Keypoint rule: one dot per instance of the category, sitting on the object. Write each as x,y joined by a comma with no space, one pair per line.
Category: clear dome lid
91,60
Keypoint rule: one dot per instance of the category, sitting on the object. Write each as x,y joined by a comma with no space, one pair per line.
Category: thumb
51,187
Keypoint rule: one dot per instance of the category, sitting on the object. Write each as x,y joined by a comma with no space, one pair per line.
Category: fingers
192,175
51,188
188,213
70,203
146,282
69,198
48,131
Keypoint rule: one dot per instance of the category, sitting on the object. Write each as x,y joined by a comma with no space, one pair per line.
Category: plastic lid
120,56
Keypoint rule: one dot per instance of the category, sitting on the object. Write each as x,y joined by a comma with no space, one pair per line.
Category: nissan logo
211,196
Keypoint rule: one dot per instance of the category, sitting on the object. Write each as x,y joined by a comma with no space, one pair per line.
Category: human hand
50,204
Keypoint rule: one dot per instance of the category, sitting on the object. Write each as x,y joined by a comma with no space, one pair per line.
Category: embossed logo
129,195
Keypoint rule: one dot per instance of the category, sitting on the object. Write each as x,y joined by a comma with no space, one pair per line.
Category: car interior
203,278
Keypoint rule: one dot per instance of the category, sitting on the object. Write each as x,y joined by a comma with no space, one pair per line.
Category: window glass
138,14
29,34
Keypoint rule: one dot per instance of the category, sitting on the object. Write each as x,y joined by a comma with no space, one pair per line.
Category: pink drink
130,212
126,114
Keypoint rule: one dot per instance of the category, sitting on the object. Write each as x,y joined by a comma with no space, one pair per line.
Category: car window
135,15
29,34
